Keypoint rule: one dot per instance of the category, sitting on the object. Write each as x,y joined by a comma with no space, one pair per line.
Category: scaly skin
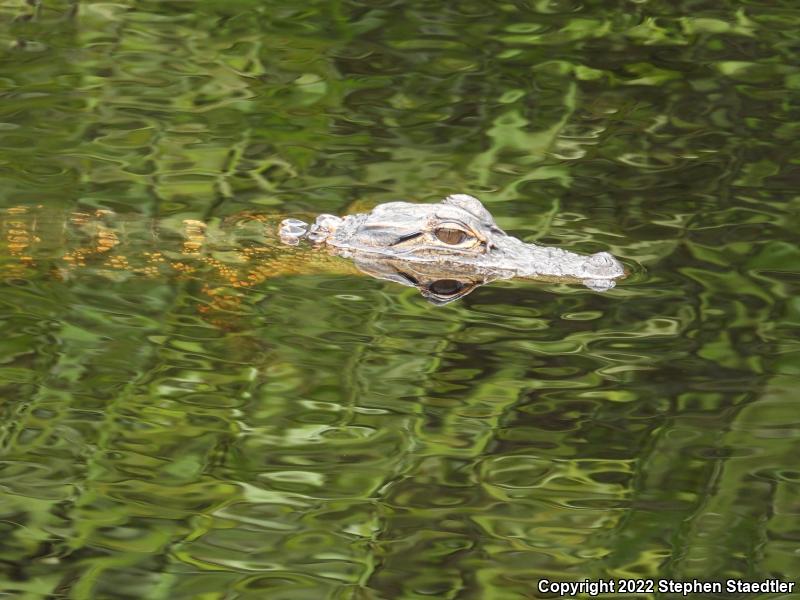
240,251
226,257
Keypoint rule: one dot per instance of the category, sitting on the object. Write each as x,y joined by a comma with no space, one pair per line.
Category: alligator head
458,236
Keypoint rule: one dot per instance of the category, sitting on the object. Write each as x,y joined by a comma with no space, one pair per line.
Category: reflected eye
446,287
450,236
443,291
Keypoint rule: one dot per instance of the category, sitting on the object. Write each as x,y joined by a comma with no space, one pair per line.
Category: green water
335,436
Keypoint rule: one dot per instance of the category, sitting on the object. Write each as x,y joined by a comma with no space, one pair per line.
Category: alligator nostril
602,264
602,259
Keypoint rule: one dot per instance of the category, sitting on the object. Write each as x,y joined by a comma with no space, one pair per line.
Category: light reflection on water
328,435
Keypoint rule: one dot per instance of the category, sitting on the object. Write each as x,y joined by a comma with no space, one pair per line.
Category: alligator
445,250
456,239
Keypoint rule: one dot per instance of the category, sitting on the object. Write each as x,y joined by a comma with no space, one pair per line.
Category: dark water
339,437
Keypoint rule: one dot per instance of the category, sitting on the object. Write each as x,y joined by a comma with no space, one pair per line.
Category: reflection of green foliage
336,437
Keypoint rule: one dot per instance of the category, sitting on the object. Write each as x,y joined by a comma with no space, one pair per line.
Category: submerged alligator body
455,240
445,250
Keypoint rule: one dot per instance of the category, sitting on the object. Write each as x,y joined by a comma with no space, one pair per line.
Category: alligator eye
450,236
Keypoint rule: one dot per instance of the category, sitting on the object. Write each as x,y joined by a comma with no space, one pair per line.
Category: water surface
326,435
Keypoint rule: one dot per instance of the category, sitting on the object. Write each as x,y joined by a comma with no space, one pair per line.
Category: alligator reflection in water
445,250
439,284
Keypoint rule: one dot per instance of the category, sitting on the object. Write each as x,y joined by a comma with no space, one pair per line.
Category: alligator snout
603,265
